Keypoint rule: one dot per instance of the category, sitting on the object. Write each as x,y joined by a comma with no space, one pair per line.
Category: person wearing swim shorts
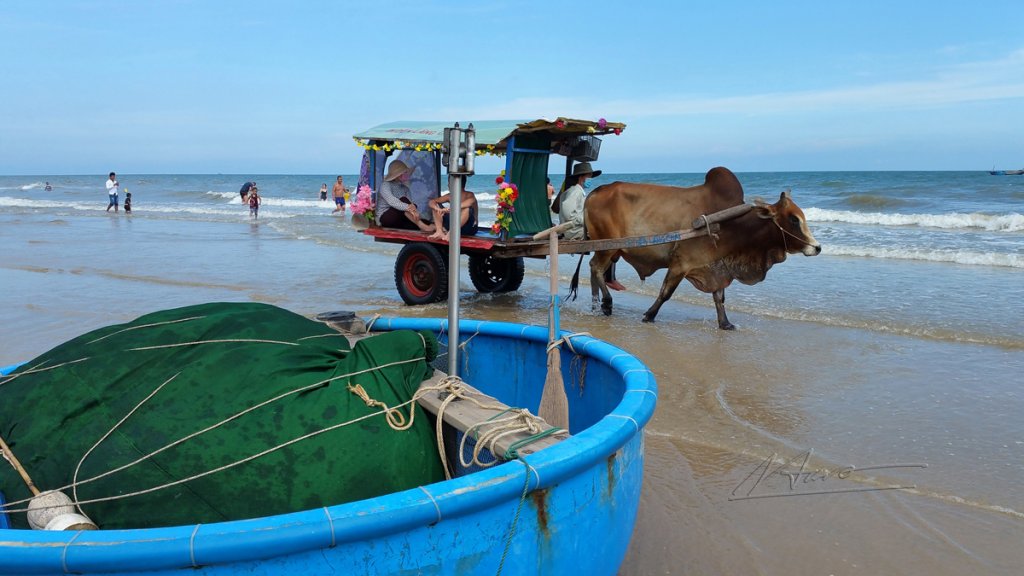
468,212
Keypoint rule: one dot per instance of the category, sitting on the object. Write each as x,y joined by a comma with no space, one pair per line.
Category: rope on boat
500,426
396,420
74,477
146,326
370,325
515,519
519,420
567,340
37,368
7,507
223,341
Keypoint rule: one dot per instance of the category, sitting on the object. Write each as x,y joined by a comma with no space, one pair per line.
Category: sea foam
965,257
1013,222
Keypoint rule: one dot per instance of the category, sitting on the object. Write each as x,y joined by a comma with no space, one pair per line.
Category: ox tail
574,284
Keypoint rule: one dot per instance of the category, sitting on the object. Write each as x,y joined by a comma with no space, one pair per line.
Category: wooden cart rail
538,246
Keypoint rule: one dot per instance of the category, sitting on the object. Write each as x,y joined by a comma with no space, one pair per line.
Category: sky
255,87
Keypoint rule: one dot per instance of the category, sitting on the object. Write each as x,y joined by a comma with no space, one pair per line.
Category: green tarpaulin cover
204,365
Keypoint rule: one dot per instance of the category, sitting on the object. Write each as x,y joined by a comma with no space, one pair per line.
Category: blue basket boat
568,508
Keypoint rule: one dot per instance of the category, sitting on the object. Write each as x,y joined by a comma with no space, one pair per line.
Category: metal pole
456,170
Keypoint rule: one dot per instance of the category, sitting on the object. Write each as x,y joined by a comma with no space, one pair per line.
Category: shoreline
727,400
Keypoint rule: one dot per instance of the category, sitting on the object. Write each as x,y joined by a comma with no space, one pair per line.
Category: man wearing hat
399,211
570,209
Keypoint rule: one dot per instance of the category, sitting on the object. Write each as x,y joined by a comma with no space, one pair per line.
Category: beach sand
728,401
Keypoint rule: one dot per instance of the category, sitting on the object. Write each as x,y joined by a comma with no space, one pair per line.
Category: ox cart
495,260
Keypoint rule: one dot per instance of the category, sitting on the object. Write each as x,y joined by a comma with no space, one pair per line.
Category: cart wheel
421,274
491,274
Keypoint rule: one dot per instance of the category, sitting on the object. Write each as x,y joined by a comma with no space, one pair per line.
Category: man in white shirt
112,188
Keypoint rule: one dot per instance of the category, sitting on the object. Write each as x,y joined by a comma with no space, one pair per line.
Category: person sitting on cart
399,211
467,214
570,209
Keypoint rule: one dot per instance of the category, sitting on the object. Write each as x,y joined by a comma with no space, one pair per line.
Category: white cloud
966,83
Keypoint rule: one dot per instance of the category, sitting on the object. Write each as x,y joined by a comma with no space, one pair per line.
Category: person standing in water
244,191
570,205
323,192
339,195
254,203
112,189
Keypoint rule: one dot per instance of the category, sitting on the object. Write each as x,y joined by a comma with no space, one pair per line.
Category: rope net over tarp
230,410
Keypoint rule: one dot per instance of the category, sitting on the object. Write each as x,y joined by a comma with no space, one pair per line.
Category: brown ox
745,247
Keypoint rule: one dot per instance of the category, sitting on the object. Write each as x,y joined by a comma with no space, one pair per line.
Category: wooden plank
721,215
401,236
582,246
460,414
538,246
463,415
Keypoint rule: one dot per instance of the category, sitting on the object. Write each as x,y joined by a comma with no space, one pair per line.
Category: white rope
37,368
224,341
146,326
369,325
64,552
330,523
217,425
630,418
567,340
452,385
712,235
74,477
432,501
230,465
520,420
192,546
336,334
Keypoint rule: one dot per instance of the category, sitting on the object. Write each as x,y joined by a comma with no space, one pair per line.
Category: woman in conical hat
399,211
570,209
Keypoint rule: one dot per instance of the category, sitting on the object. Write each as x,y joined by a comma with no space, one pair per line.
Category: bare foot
615,285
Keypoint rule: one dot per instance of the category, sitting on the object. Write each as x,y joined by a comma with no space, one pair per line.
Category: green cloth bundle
228,357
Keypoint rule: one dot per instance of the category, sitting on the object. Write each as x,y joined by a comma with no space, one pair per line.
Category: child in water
127,201
254,203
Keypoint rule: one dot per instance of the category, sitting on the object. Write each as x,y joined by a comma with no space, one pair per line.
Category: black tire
421,274
492,274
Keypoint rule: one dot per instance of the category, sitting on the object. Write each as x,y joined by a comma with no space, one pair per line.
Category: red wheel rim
418,275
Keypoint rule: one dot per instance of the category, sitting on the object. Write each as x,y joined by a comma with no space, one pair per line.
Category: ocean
866,416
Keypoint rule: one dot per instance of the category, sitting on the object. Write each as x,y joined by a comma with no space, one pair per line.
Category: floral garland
419,147
363,203
506,198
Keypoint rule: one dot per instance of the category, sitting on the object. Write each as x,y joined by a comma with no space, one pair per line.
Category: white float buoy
53,510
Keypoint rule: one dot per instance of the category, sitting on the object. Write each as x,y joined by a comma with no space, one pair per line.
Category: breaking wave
965,257
1013,222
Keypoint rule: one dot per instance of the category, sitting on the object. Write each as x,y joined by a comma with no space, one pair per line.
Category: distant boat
1006,172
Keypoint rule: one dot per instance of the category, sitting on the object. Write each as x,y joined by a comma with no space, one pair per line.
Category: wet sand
728,401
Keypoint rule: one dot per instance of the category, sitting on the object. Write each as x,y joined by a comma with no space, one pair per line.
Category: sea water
899,349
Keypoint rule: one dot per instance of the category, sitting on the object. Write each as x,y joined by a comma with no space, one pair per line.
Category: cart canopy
488,132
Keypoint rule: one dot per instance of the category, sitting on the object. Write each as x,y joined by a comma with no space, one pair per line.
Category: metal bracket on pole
457,153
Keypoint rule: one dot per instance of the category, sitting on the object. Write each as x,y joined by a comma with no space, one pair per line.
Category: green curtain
227,357
529,171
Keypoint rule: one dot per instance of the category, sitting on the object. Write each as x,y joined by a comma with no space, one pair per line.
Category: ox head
797,237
